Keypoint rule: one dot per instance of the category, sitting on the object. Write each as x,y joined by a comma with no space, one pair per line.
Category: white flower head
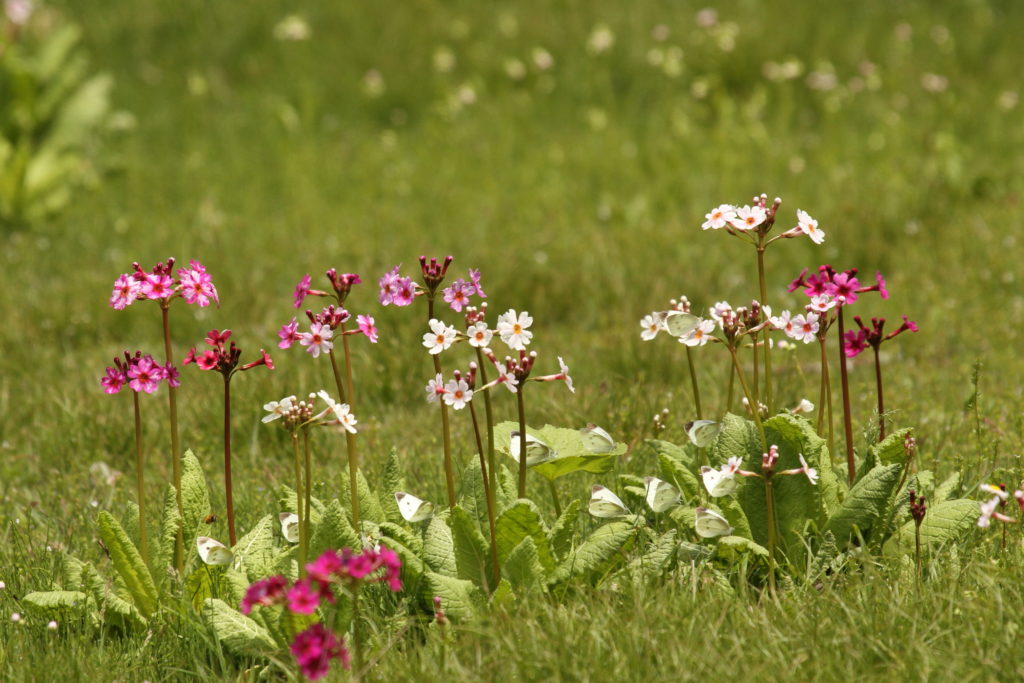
479,335
821,303
277,409
809,226
652,324
804,406
564,373
719,310
812,474
435,388
783,321
719,217
748,218
805,327
699,335
457,394
996,491
514,329
440,337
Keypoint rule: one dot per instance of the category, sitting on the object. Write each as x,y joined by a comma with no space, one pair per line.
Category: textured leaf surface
333,531
864,504
169,527
523,568
598,554
49,602
571,455
560,536
129,565
459,597
518,522
891,451
472,557
659,557
195,495
439,547
674,471
943,523
255,550
239,634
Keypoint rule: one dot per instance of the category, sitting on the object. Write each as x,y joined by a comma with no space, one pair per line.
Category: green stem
491,513
746,392
298,504
350,446
357,636
756,382
732,383
917,553
350,394
140,479
769,399
881,402
492,465
172,406
693,383
554,497
449,475
769,497
228,496
522,439
851,467
308,476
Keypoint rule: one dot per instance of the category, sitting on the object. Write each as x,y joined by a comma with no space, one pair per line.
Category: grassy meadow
570,151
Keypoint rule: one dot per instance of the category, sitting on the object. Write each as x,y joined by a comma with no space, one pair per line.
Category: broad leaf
54,602
947,489
864,504
730,547
675,472
195,495
334,531
439,547
560,536
731,510
256,551
658,558
129,565
674,451
598,554
472,555
170,525
407,538
946,522
523,568
459,598
891,451
570,453
518,522
737,439
239,634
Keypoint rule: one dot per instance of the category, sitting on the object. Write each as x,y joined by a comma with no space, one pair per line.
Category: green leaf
472,497
115,610
943,523
334,531
516,523
195,495
412,563
507,488
403,535
393,480
675,472
53,602
523,568
891,451
459,597
170,525
732,511
658,558
472,556
560,536
239,634
598,554
947,489
287,502
129,565
503,596
439,547
737,439
730,547
369,506
570,453
71,572
864,504
256,552
674,451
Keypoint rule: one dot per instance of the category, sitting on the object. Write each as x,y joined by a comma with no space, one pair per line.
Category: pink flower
145,375
395,289
798,282
171,375
301,291
854,342
197,285
318,339
393,568
157,286
367,327
816,285
805,328
314,649
474,278
264,359
435,388
387,283
302,598
329,565
113,381
126,290
289,334
843,285
880,283
207,360
457,294
269,591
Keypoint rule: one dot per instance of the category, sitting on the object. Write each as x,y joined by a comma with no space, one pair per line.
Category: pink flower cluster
193,284
458,293
223,358
842,287
396,289
140,373
320,338
856,341
314,649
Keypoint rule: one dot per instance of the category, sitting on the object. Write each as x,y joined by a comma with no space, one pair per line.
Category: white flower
435,388
996,491
513,329
821,303
699,335
732,465
718,482
52,626
345,417
809,227
19,11
15,617
564,373
805,328
748,218
719,310
783,321
719,217
479,335
277,409
812,474
440,337
504,377
987,510
457,394
804,406
652,324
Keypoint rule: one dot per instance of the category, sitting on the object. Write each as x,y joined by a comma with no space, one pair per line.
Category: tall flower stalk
855,341
224,359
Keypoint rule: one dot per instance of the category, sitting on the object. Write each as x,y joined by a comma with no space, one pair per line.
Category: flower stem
489,416
753,405
917,553
350,446
693,383
308,478
554,497
446,435
522,440
756,382
350,395
769,498
825,401
484,472
298,504
357,636
732,384
847,419
767,344
140,480
172,406
228,497
881,402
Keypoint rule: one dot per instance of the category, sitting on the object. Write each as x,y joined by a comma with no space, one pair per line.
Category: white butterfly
536,450
710,524
660,495
289,526
212,551
679,324
702,432
412,508
596,440
605,504
718,482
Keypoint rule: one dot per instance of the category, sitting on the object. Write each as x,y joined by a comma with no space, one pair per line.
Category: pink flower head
171,375
474,278
126,290
387,284
457,294
216,337
854,342
269,591
197,285
330,565
301,291
113,381
342,284
367,327
157,286
144,374
289,334
303,598
844,285
264,359
314,649
207,360
435,388
880,283
797,282
393,568
769,459
395,289
318,339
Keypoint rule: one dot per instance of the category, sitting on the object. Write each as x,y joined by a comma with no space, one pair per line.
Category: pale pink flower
457,394
367,327
505,377
479,335
440,337
809,227
126,290
474,278
719,217
457,294
805,328
435,388
513,329
652,324
821,303
783,321
719,310
748,218
564,374
318,339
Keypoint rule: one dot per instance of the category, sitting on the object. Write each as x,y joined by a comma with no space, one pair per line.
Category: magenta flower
157,286
367,327
329,565
854,342
474,278
222,357
303,598
301,291
342,284
171,375
197,285
263,360
145,375
314,649
881,285
269,591
457,294
395,289
843,285
126,290
289,334
114,380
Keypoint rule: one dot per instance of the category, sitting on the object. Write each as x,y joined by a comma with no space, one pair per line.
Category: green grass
579,192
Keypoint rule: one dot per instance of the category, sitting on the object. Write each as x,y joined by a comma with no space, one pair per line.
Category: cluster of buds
917,507
992,509
433,273
161,283
660,421
295,414
740,321
342,284
222,358
856,341
842,288
141,373
439,616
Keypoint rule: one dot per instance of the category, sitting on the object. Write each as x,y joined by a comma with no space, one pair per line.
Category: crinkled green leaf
605,548
523,568
53,602
472,555
256,550
507,488
412,562
947,489
738,438
731,510
516,523
503,596
439,547
71,572
678,453
729,547
943,523
570,453
560,536
170,525
403,535
287,502
675,472
864,504
891,451
129,565
658,557
115,610
239,633
333,531
459,597
195,495
472,497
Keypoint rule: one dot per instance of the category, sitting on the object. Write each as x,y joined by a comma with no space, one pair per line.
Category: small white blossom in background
809,227
444,59
804,406
373,83
277,409
542,59
652,324
19,11
292,28
15,618
52,626
601,39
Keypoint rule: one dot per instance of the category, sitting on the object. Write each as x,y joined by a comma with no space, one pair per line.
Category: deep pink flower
797,282
303,598
474,277
367,327
144,375
329,565
843,285
113,381
816,285
881,285
361,566
301,291
387,285
854,342
216,337
197,285
263,360
157,286
269,591
289,334
404,291
207,360
171,375
314,649
393,568
126,290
